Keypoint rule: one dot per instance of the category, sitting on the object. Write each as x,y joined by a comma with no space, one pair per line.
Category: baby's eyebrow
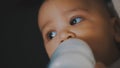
44,26
76,9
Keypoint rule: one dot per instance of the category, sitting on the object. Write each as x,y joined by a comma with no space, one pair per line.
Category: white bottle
72,53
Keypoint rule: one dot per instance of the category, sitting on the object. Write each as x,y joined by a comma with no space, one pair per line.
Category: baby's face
88,20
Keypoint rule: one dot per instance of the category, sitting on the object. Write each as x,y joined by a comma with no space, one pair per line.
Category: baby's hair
110,8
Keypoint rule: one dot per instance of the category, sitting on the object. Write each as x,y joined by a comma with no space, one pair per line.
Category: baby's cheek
51,47
98,39
93,36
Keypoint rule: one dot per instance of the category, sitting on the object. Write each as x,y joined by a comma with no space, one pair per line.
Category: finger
100,65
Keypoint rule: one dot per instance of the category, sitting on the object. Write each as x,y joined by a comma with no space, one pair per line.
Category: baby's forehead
68,4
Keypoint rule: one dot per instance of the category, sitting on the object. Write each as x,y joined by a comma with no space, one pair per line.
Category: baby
93,21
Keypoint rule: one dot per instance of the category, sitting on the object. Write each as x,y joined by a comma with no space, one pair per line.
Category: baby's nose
66,35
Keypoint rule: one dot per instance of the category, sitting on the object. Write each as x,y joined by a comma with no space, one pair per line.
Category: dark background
21,45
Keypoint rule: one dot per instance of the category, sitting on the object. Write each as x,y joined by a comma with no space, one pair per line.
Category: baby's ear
116,26
115,20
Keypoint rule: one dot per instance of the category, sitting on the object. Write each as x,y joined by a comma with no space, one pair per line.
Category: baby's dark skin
88,20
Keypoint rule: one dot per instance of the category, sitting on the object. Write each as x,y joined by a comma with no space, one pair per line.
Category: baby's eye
51,35
76,20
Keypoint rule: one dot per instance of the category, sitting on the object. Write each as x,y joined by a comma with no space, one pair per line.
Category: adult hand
100,65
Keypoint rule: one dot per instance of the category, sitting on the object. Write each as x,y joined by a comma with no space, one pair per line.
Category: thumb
100,65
